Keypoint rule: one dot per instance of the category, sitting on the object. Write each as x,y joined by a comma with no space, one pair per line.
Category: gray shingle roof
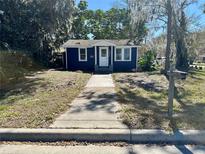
90,43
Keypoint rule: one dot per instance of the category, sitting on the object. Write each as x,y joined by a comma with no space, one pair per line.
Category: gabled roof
91,43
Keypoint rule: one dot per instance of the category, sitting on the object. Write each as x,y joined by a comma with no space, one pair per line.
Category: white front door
104,58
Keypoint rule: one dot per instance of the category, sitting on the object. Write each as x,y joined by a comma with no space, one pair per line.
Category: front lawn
32,96
39,98
143,97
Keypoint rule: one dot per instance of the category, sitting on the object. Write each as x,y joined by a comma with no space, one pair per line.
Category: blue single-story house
100,55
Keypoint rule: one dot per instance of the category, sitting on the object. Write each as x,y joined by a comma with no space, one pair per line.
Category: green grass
36,96
144,107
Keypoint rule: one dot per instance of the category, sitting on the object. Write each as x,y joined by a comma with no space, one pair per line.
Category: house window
127,55
82,52
118,54
123,54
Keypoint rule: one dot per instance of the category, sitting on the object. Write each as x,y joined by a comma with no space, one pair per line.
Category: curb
161,136
153,136
51,135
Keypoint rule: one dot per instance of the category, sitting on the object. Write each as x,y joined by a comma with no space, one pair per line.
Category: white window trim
79,59
116,53
122,49
130,54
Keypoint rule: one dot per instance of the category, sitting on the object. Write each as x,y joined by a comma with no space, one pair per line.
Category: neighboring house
100,55
201,58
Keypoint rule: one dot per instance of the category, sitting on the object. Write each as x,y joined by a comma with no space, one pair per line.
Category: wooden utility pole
169,35
173,74
171,91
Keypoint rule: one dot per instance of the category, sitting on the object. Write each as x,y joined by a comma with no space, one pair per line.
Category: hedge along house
100,55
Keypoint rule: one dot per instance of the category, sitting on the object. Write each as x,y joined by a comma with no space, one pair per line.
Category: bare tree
153,10
172,13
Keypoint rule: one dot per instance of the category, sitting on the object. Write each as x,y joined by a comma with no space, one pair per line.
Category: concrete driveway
95,107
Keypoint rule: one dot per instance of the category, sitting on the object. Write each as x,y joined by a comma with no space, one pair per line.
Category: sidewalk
92,149
96,107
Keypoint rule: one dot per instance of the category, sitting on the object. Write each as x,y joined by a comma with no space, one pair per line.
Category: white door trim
95,55
104,62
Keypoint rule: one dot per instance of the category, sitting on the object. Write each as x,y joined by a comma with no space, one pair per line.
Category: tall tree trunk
169,36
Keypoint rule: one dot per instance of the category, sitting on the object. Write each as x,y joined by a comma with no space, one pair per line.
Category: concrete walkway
95,107
92,149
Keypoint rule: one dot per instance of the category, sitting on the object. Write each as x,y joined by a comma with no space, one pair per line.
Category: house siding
74,64
123,66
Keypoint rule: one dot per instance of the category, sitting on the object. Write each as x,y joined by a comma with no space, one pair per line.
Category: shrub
147,61
14,65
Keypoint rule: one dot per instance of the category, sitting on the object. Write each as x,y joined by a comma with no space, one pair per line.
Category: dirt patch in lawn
40,98
144,100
